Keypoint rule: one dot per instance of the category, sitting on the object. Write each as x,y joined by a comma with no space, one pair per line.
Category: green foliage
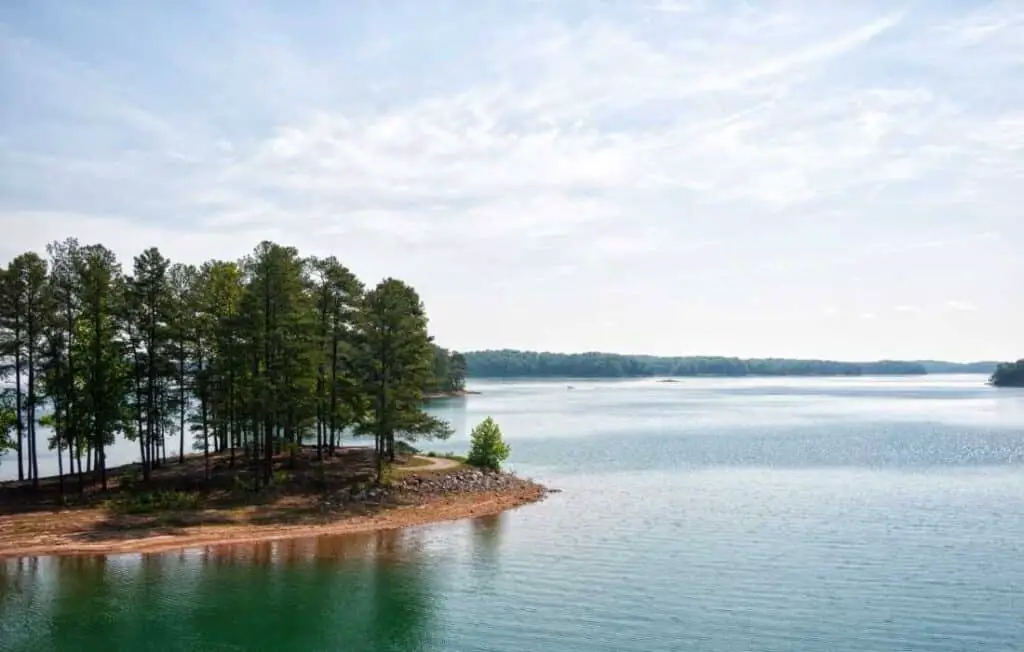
487,448
405,448
510,363
7,420
1009,374
149,502
448,372
252,356
395,362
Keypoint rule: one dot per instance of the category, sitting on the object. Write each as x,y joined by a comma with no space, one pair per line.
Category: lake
796,514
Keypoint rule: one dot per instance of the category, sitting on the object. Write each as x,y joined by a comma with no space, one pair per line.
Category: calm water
852,515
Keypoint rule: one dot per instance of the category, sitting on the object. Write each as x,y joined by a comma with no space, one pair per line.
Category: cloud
654,148
961,306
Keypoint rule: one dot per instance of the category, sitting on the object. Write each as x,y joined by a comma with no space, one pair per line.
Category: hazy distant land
511,363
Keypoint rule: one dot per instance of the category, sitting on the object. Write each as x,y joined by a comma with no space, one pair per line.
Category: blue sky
813,179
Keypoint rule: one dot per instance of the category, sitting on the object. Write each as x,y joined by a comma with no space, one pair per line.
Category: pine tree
101,351
396,359
23,315
60,368
255,355
339,400
181,282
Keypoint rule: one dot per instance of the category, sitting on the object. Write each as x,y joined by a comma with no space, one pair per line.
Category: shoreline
429,396
33,534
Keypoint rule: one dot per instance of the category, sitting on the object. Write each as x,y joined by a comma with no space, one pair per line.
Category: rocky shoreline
424,488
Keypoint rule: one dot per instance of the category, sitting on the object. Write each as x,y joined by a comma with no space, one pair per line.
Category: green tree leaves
256,356
487,448
395,362
1009,374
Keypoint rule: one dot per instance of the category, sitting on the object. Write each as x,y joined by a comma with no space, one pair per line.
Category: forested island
1008,374
258,365
508,363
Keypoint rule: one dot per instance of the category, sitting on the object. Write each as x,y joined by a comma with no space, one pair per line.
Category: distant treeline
1009,374
940,367
508,363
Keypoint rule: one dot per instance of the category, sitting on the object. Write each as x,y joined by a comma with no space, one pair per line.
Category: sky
807,179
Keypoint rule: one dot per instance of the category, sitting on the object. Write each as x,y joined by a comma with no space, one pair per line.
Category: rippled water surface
852,515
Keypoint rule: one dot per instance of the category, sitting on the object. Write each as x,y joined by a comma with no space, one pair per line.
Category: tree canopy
507,363
252,356
1009,374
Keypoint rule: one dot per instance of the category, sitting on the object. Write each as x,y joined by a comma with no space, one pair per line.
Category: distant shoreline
514,363
430,396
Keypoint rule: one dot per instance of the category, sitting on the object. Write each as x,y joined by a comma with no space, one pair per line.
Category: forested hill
508,363
940,367
1009,374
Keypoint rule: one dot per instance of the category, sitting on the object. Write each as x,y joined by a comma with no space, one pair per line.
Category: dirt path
434,463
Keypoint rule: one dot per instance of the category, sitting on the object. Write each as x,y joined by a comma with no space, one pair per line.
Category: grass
150,502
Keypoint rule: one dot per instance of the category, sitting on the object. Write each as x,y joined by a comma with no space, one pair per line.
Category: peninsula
182,507
257,366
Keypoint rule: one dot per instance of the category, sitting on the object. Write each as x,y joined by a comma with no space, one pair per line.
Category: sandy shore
94,531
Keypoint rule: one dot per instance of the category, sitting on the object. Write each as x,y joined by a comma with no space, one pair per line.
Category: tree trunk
58,434
19,424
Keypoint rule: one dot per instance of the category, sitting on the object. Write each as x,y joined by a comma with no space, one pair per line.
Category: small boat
569,387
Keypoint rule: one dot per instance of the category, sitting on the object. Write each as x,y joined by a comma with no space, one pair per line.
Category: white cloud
658,149
961,306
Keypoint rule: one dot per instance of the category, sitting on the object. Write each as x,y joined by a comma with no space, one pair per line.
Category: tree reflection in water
367,592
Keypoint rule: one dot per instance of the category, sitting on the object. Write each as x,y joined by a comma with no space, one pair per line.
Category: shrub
487,450
153,501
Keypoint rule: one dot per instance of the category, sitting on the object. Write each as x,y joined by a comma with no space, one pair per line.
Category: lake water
854,514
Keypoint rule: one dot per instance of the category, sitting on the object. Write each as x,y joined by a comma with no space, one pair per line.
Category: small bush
487,450
128,481
153,501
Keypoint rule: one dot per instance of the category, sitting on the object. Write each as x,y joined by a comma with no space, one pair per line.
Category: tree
511,363
101,351
60,367
256,355
279,321
23,315
11,353
487,449
181,280
216,348
7,424
338,294
153,303
1008,374
396,359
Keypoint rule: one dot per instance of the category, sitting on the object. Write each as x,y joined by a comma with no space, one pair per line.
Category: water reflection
367,592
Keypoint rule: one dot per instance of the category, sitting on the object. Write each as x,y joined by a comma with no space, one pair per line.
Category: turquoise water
736,514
